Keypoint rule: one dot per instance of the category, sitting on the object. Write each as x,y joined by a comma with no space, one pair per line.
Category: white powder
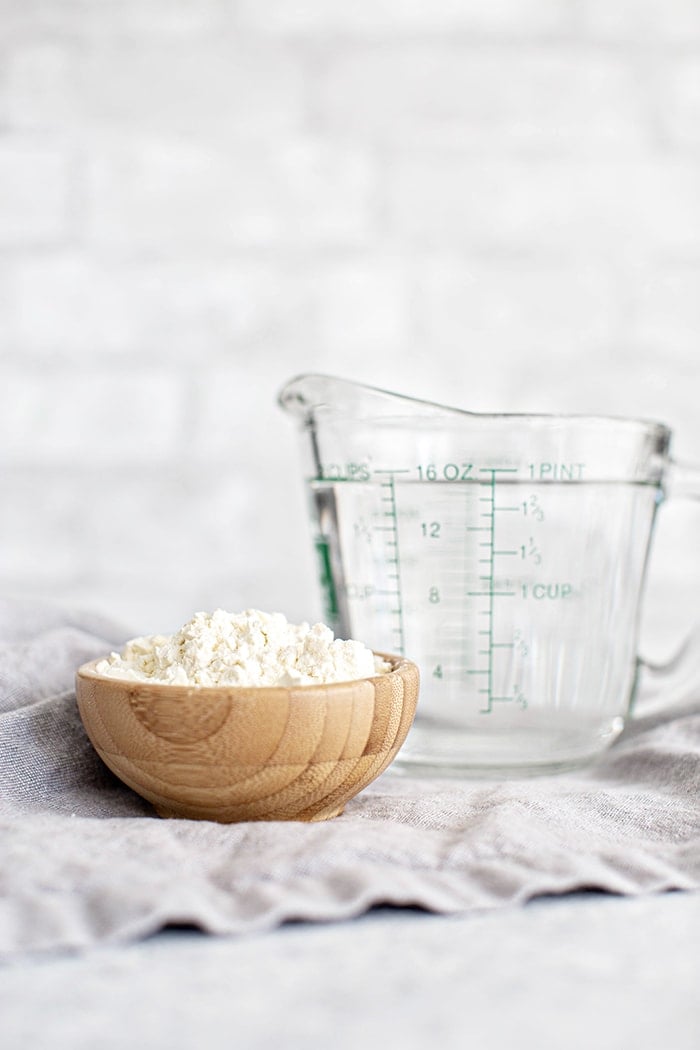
250,648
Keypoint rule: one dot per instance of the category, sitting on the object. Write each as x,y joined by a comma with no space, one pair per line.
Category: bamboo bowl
233,753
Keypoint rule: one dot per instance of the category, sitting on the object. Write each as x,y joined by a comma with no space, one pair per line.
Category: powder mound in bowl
249,648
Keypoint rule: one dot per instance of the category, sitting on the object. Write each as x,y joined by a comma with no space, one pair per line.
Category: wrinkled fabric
84,860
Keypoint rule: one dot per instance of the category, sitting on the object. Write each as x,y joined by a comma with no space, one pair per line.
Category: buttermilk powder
250,648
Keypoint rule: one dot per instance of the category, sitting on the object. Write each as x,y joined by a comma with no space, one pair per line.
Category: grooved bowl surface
232,753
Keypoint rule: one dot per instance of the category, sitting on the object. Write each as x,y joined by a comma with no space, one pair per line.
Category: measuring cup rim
289,399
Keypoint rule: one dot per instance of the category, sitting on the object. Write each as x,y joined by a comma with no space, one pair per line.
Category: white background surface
581,972
492,204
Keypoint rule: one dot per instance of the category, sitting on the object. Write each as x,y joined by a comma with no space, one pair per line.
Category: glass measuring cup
505,554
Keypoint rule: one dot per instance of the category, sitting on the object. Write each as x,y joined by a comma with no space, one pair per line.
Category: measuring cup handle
675,683
682,481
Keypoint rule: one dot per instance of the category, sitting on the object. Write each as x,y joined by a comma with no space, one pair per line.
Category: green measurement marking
491,594
492,537
330,597
392,542
489,582
486,510
488,545
489,591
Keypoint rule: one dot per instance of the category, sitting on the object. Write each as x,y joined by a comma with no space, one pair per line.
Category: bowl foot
322,814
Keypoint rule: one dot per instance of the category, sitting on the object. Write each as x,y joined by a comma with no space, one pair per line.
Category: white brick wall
319,18
179,197
490,202
630,21
34,193
90,417
207,88
617,209
484,98
680,87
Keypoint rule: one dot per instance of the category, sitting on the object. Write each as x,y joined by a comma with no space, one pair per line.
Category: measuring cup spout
311,394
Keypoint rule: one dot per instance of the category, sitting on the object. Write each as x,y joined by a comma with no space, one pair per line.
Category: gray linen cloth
84,860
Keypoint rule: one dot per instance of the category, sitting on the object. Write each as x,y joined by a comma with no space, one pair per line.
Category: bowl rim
87,672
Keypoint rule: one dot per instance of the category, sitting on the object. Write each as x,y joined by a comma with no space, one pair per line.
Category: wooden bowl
232,753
